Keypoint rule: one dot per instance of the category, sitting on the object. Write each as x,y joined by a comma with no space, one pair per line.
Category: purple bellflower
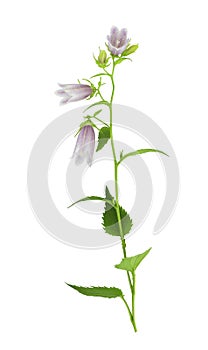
85,145
117,41
73,92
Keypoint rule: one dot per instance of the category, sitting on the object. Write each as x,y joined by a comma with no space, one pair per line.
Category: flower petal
64,101
79,159
74,92
122,37
121,49
85,145
114,35
112,49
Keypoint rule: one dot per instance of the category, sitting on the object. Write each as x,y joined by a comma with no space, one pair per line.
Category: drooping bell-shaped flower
117,41
73,92
85,145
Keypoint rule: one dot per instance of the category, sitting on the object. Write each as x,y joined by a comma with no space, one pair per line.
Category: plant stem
128,309
123,242
99,120
133,300
101,96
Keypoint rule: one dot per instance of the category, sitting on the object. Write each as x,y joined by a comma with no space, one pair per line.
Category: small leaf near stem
131,263
98,75
140,151
103,137
92,198
121,59
97,104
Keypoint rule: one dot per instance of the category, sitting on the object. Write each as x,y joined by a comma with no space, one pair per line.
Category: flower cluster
118,48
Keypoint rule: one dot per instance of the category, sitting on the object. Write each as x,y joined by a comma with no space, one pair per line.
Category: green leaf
98,75
105,292
131,263
121,154
96,104
121,59
110,218
91,198
103,137
97,112
141,151
131,49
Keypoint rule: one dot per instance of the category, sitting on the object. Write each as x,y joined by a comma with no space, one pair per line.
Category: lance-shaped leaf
110,218
103,137
92,198
105,292
131,263
97,112
140,151
98,75
97,104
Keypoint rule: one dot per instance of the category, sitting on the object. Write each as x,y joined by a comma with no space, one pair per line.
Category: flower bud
102,58
130,50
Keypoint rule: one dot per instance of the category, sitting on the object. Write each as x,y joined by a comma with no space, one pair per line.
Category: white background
43,42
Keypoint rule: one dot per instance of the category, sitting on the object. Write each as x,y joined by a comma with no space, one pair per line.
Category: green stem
101,96
128,309
133,300
99,120
123,242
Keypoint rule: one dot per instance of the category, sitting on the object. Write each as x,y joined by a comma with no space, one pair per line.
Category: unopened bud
102,58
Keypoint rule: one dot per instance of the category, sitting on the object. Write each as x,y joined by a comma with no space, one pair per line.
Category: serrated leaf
131,263
140,151
103,137
90,198
131,49
105,292
110,218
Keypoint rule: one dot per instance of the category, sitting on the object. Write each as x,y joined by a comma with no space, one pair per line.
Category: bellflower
73,92
117,41
116,221
85,145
